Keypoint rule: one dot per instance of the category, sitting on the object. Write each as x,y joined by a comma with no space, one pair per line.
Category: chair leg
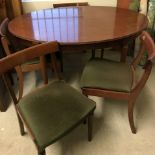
10,89
130,116
22,132
20,88
41,152
90,126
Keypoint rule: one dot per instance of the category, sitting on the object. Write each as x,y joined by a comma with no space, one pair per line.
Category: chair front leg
21,125
130,115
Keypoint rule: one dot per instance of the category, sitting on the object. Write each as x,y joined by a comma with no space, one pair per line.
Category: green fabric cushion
107,74
52,111
134,5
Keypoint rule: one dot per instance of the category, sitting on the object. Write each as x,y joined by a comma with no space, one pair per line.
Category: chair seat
107,74
52,111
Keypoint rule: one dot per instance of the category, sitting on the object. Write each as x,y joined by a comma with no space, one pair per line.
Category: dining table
80,28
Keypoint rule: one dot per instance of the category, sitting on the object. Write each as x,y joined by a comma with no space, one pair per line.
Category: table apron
119,42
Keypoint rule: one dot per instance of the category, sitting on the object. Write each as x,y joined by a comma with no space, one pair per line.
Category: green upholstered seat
53,110
107,74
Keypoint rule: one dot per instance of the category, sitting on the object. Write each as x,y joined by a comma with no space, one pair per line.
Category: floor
111,134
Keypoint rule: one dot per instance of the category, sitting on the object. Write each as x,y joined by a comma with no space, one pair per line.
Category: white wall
30,6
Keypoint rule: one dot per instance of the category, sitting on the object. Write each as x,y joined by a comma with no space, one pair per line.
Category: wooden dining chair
116,80
51,111
11,45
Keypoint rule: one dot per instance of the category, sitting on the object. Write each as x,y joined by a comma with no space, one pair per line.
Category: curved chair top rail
25,55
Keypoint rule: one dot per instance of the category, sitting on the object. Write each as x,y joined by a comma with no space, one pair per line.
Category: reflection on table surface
78,24
56,24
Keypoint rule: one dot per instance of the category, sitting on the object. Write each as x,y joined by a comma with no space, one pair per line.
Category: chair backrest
18,58
9,42
3,33
70,4
3,27
148,46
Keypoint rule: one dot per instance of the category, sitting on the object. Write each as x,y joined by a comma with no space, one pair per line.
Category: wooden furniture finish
18,58
120,4
67,5
131,95
4,99
79,28
17,7
7,42
3,106
10,9
2,10
126,5
3,103
70,4
123,4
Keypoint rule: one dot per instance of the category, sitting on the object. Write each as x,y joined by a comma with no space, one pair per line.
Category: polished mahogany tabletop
78,25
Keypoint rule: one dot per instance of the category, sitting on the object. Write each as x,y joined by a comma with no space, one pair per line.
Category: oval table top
78,25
